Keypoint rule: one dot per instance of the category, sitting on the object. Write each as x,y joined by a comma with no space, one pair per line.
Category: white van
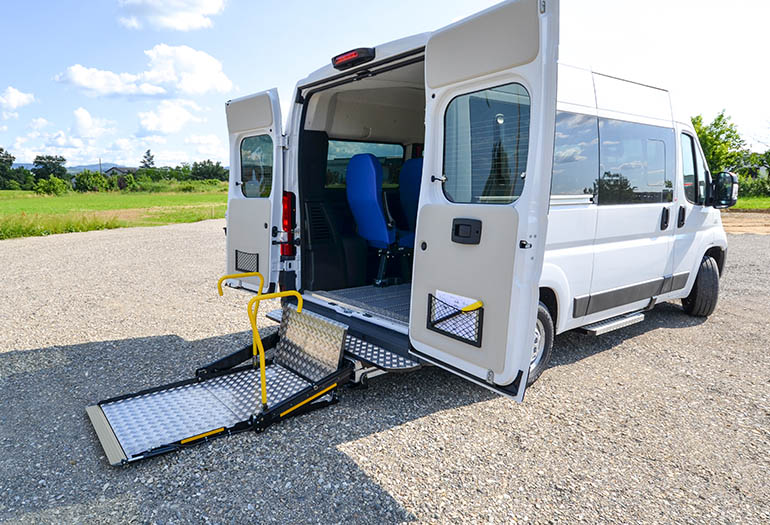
450,194
454,198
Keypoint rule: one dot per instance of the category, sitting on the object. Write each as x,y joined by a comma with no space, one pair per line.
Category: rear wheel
703,298
542,345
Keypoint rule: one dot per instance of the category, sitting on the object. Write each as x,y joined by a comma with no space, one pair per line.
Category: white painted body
588,249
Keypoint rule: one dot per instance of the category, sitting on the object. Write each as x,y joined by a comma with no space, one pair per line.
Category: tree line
722,144
49,175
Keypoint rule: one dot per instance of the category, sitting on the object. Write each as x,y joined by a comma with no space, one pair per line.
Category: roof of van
382,51
579,87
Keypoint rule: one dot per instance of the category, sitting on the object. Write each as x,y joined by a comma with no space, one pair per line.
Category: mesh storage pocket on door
246,262
465,326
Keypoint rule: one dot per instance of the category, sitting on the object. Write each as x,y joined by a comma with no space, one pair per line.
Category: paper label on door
458,301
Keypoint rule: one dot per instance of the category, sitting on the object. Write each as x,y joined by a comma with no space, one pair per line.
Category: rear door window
257,166
486,142
391,157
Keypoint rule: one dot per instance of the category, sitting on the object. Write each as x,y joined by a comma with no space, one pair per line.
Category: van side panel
569,255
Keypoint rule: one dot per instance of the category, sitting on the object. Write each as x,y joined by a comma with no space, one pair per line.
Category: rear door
490,110
256,183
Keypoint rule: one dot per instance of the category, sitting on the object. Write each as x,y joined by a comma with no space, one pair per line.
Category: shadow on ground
53,467
571,347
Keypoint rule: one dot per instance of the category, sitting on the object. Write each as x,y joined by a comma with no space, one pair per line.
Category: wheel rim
538,345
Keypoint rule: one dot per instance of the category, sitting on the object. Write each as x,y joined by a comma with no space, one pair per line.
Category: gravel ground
665,421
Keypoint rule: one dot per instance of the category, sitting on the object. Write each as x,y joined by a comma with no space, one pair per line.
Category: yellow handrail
256,345
240,276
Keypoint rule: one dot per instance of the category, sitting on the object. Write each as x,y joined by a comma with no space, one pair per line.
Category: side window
702,175
391,156
486,141
637,163
575,154
257,166
688,168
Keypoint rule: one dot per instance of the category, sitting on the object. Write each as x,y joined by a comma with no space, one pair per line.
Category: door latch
440,179
524,245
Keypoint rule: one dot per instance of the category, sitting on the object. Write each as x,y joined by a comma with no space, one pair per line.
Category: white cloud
38,123
87,126
60,139
169,117
209,146
170,157
191,71
182,15
12,99
3,128
102,82
179,69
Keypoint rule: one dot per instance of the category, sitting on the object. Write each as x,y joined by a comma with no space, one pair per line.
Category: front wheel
703,298
542,345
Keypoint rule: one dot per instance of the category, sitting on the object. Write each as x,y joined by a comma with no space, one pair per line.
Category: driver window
257,166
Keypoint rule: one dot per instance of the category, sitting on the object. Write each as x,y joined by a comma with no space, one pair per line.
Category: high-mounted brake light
353,58
289,203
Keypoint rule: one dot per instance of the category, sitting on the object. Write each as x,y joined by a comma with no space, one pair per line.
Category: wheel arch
719,254
554,288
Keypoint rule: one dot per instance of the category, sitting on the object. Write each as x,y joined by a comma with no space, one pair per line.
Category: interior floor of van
391,302
360,166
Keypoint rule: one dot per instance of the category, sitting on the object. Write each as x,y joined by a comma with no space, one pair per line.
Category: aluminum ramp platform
305,372
368,353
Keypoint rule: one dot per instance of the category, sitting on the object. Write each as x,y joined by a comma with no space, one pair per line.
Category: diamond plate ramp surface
309,344
149,421
240,393
377,355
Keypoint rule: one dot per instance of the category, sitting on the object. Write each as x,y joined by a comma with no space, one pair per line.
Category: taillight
352,58
289,203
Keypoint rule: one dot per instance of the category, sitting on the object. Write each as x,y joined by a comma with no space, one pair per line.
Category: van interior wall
388,109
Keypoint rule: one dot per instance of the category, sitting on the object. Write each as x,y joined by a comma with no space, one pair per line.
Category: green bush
124,182
52,186
12,185
88,180
749,187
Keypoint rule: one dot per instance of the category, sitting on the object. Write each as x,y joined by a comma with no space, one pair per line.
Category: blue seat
409,193
363,180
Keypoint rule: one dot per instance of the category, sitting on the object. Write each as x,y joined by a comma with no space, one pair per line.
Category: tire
703,298
543,345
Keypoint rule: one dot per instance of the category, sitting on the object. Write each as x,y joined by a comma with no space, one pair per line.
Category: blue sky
111,78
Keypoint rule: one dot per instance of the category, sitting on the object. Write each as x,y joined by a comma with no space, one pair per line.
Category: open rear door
256,185
490,111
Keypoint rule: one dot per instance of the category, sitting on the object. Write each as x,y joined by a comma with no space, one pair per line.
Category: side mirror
724,192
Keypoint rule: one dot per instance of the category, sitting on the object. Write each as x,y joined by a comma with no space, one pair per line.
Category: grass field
24,213
753,203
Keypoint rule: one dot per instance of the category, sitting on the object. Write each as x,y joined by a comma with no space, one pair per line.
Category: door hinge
285,141
542,7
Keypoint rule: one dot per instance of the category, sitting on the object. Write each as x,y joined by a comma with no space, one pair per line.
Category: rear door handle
664,219
682,217
466,231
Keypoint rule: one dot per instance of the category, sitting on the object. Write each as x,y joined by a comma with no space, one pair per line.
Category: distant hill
75,169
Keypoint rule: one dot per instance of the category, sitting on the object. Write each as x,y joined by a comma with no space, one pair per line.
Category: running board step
369,353
614,323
